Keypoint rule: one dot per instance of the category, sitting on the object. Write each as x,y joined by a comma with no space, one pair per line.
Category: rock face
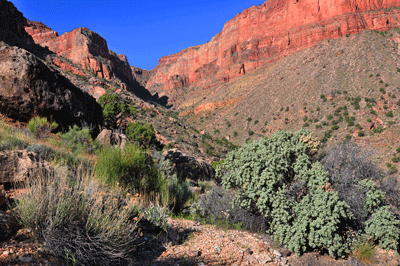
30,88
19,165
109,138
12,25
264,33
189,167
8,225
89,51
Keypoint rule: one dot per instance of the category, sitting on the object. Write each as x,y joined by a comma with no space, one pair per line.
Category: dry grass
364,251
79,218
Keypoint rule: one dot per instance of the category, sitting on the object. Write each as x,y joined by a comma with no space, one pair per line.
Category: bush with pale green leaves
281,176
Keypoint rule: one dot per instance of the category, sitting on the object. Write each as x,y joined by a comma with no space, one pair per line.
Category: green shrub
216,164
361,133
179,193
78,140
39,126
271,174
142,134
383,227
389,114
131,167
111,108
80,217
45,152
248,119
13,143
363,250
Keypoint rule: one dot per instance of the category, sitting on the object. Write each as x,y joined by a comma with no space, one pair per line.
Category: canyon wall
264,33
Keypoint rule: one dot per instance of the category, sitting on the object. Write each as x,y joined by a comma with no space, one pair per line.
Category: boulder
30,88
189,167
109,138
18,165
8,225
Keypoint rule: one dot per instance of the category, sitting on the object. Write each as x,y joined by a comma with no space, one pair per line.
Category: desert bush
79,140
347,166
267,174
383,227
40,127
45,152
142,134
13,143
79,216
310,205
111,108
179,193
131,167
217,205
363,250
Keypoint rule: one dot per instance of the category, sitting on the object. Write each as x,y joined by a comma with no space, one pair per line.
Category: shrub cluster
131,167
40,127
308,204
142,134
79,140
79,218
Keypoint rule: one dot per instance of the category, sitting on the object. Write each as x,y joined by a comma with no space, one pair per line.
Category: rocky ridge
89,51
265,33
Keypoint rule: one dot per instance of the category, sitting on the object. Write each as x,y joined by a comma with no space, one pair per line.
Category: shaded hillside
304,90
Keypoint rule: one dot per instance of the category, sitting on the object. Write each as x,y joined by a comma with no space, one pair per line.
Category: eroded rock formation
30,88
264,33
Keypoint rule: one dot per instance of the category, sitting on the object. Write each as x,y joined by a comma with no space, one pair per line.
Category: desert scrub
79,216
40,127
132,168
79,140
309,205
277,175
143,135
112,107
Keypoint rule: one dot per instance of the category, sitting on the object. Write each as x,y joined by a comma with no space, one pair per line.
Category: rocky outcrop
84,48
264,33
141,75
12,25
89,51
189,167
30,88
8,225
109,138
19,165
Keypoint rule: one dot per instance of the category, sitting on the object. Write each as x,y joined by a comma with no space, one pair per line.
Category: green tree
143,134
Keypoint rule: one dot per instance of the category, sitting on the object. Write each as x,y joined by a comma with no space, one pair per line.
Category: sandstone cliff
264,33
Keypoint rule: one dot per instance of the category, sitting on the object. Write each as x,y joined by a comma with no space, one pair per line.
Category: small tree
143,134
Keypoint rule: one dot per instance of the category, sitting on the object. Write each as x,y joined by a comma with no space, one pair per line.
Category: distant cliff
264,33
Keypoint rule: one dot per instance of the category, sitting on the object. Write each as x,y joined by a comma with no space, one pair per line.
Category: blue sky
142,30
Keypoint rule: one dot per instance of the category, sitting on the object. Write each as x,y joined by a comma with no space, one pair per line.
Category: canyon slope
263,34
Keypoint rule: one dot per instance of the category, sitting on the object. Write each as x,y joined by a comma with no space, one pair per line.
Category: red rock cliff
84,48
261,34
